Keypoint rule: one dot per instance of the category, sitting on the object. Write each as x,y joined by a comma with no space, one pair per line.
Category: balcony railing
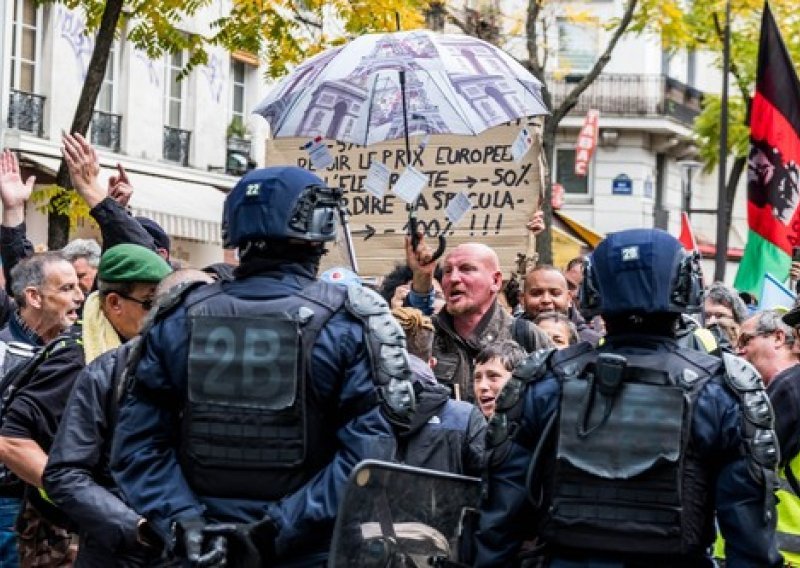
176,145
26,112
106,128
632,96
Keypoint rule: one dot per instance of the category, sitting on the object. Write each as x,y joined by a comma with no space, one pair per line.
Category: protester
545,289
287,371
444,434
84,254
493,366
574,275
77,477
558,327
664,441
767,341
472,318
723,307
127,275
47,297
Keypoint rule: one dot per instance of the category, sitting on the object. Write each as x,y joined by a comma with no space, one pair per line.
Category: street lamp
688,167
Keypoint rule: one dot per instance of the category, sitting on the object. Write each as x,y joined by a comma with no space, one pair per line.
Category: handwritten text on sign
503,193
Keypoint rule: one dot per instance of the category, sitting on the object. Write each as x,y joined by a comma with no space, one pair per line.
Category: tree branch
572,97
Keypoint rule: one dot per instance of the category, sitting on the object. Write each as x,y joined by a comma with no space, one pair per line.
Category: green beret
132,263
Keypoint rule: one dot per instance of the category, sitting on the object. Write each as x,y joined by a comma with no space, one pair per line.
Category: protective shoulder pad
386,344
760,441
740,375
175,296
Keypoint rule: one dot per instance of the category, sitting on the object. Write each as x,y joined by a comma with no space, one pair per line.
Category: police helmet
641,271
279,203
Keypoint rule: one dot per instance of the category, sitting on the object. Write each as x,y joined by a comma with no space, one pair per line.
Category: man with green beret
127,278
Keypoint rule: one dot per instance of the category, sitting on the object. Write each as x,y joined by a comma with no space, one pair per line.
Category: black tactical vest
249,425
626,478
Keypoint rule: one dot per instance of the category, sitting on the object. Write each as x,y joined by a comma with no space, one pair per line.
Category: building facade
644,171
182,142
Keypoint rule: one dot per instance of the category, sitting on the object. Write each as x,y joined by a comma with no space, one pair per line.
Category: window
25,45
106,100
238,71
577,46
565,173
174,90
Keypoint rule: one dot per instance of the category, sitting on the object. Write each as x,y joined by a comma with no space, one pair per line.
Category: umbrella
385,86
454,84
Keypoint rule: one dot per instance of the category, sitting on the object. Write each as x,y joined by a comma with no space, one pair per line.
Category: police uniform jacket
144,460
444,434
508,518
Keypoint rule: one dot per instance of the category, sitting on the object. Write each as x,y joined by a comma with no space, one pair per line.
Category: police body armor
626,477
250,429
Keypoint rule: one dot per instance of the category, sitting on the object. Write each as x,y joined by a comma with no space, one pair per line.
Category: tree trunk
58,224
544,241
733,182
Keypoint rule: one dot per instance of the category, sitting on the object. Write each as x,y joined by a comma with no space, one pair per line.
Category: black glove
263,534
190,536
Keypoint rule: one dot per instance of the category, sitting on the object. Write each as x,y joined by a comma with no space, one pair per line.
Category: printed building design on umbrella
481,80
335,106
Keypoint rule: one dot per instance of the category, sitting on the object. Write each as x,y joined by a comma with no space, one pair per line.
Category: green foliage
705,22
55,199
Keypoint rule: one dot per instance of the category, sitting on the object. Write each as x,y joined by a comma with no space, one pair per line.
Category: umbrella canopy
454,84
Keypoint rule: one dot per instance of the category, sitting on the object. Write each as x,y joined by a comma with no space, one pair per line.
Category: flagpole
721,256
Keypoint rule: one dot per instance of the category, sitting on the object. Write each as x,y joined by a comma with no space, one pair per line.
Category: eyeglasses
147,305
746,338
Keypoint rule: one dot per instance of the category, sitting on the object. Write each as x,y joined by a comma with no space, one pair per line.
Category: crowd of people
153,416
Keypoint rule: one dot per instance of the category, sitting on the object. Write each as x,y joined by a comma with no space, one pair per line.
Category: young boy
493,366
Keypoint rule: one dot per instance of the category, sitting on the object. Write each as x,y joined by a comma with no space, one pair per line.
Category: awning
184,209
578,229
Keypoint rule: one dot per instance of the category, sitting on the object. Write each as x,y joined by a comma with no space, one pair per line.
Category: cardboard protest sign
503,193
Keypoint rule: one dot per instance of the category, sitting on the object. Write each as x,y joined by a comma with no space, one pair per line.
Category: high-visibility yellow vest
788,510
788,531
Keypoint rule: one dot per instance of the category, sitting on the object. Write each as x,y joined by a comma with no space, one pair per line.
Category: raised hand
119,187
536,223
13,192
84,167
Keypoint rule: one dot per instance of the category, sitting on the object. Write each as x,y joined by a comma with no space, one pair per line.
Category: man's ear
33,297
111,302
497,283
432,361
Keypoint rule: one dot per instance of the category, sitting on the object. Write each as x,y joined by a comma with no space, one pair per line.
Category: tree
282,31
638,16
745,30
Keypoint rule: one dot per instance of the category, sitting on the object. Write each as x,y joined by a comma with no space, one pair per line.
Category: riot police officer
620,456
254,399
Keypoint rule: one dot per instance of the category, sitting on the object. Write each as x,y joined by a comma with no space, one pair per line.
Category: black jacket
445,435
77,477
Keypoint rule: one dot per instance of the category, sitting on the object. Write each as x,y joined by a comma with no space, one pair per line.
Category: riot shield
394,516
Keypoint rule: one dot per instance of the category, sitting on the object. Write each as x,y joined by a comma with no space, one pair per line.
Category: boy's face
489,380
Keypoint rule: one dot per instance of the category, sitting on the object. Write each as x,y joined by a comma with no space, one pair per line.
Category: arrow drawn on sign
469,180
368,230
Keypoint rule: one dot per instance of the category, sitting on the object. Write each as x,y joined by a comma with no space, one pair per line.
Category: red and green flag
773,166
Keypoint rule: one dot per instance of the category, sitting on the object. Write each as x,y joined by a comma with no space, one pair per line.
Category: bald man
471,318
